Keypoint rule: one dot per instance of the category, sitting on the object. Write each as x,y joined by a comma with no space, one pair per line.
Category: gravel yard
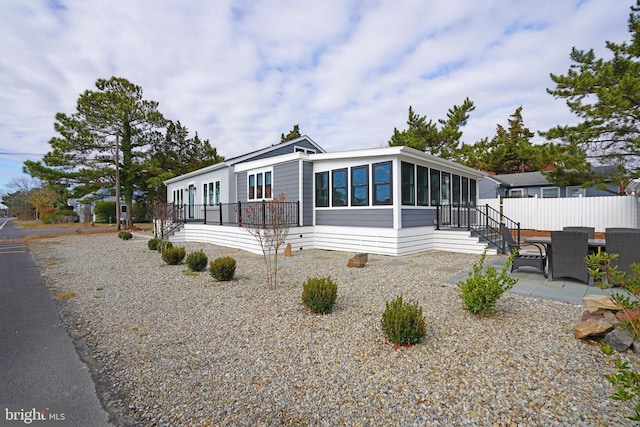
171,348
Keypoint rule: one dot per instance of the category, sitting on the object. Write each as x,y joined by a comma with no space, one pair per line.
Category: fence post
239,213
220,211
468,216
437,217
298,212
518,224
205,212
264,213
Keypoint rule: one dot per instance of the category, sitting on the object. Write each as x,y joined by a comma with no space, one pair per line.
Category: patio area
533,284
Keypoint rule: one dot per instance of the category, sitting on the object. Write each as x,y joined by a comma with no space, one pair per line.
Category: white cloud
240,73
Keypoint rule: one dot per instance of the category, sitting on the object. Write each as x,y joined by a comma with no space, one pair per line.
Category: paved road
39,367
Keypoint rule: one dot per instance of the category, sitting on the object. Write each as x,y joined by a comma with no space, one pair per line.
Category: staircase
483,222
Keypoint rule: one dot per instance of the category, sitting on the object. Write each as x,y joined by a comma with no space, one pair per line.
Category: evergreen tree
425,135
293,134
109,132
605,96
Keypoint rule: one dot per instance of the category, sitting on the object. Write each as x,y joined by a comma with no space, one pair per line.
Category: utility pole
118,181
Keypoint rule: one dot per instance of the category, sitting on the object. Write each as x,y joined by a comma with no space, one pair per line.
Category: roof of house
528,179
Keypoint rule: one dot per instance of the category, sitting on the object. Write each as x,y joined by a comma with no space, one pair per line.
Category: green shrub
481,291
104,210
173,256
197,261
59,217
403,322
164,244
125,235
223,268
319,294
153,244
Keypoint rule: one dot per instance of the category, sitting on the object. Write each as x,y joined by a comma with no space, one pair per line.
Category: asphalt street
40,372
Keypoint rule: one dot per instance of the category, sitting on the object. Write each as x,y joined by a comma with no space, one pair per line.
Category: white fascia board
269,161
400,151
204,170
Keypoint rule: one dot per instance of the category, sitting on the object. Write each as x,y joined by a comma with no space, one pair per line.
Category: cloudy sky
242,72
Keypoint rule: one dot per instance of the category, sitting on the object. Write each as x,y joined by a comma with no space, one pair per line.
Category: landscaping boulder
599,303
620,339
592,325
358,261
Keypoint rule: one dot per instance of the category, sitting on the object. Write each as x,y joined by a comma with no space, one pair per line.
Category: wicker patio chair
569,249
536,258
590,230
627,245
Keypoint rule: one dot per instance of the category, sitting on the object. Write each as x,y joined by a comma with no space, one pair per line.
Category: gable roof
263,152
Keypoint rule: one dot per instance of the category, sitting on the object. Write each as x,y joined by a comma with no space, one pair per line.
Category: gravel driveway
171,348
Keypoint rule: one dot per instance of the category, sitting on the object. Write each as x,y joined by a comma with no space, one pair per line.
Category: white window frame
255,173
581,192
516,192
542,191
216,192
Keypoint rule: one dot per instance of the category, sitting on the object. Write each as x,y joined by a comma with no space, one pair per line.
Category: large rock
358,261
287,250
620,339
598,303
592,325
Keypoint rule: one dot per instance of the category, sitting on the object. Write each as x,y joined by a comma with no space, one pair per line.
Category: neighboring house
84,206
535,184
381,200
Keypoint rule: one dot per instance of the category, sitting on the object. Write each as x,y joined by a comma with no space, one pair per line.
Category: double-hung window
360,186
423,186
382,194
408,184
339,187
322,189
435,187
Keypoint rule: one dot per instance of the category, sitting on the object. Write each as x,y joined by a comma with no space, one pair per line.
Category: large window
550,192
322,189
576,192
211,193
435,187
445,190
472,192
339,187
382,184
423,186
465,191
455,189
259,185
360,186
408,183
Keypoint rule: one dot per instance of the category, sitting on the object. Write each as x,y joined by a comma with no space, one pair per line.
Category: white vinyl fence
554,214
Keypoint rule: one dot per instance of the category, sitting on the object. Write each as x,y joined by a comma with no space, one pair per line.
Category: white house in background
381,200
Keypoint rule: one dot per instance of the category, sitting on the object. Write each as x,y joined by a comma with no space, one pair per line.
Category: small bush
319,294
173,256
125,235
197,261
153,244
223,268
403,322
480,292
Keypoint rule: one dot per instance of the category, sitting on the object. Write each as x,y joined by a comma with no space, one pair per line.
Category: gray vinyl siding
307,192
286,180
377,218
241,189
278,151
418,217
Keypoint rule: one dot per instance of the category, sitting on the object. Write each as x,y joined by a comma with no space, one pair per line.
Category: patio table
596,244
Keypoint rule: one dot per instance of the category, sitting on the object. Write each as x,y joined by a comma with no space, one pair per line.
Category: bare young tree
269,223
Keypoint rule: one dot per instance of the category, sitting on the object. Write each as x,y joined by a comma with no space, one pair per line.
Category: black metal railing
248,213
483,221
